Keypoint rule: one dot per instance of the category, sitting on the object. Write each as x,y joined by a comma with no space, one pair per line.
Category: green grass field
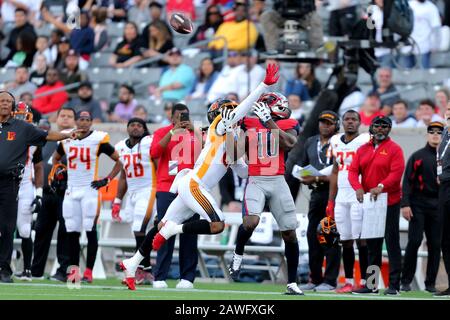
111,289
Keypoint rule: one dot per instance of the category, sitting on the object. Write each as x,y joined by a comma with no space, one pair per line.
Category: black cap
139,120
382,119
155,4
436,124
64,40
83,114
330,116
87,84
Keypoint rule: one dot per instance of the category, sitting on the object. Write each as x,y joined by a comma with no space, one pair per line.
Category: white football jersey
28,174
138,165
344,153
82,159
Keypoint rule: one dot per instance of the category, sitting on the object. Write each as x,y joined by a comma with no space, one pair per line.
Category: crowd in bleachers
114,56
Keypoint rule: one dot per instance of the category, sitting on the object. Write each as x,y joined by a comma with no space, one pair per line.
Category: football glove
262,111
271,74
97,184
227,117
115,213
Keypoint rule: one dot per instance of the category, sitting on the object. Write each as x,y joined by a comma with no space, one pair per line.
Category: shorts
81,208
348,217
142,208
193,198
275,191
24,214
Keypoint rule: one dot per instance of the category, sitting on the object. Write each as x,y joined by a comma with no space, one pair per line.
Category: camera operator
302,11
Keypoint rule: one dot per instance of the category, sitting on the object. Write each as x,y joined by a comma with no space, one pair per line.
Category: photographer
302,11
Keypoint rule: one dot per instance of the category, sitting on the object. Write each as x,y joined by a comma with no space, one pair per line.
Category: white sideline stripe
313,294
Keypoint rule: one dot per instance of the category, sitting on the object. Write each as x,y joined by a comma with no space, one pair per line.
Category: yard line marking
308,294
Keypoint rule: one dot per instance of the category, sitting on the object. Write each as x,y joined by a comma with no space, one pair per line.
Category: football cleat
293,289
347,288
24,276
129,275
235,266
185,284
143,276
87,276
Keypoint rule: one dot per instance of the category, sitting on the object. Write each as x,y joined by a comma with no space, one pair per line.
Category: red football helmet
278,104
23,112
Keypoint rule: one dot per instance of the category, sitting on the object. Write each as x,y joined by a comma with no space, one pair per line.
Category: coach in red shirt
174,148
381,163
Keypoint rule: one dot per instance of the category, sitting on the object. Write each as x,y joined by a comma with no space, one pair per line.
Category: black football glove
36,205
97,184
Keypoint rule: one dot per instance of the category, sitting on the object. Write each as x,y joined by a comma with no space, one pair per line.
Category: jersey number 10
135,160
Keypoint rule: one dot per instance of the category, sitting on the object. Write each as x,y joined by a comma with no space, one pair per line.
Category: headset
13,106
338,119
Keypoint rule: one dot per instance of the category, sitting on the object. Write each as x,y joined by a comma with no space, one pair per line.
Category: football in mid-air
180,23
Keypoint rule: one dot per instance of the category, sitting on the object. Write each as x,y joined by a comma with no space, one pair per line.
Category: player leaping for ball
269,136
194,195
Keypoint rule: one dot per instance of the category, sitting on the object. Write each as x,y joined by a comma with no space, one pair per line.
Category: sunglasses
383,126
435,132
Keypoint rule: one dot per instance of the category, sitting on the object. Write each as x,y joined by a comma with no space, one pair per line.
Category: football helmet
57,179
23,112
278,105
216,107
327,233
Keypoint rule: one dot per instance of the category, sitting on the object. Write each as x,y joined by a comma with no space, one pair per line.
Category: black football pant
444,208
316,252
426,217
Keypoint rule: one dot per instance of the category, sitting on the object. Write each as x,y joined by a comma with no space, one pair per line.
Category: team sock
27,251
145,263
242,238
363,260
136,259
92,247
146,245
197,227
348,256
74,247
292,253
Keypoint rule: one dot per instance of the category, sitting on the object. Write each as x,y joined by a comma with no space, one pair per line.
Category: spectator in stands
272,23
241,34
48,104
442,97
206,76
24,53
123,111
387,90
401,117
304,83
426,23
425,113
168,113
177,81
343,16
71,73
42,49
295,103
248,75
21,26
213,19
127,51
370,109
117,9
139,12
256,10
63,50
98,24
85,101
184,6
37,76
383,55
21,83
55,38
27,97
160,41
140,112
223,82
8,9
155,15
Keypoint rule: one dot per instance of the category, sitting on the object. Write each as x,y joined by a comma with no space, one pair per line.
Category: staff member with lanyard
318,154
443,171
15,138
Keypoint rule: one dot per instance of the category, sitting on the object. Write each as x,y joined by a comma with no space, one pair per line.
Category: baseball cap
87,84
436,124
64,40
83,114
174,51
155,4
382,119
330,116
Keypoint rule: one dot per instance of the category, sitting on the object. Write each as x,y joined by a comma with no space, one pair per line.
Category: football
181,24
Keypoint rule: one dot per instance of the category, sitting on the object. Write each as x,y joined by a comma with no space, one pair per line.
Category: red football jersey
265,156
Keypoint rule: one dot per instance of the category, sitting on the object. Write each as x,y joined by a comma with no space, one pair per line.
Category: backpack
401,18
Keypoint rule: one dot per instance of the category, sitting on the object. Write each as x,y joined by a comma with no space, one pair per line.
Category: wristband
117,200
39,192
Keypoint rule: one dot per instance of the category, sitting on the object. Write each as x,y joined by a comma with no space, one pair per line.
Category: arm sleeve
408,179
226,185
60,149
106,148
37,156
35,136
156,150
353,172
396,170
244,107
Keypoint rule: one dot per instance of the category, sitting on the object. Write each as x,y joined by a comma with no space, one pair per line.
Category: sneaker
144,276
391,292
444,293
58,276
308,287
185,284
324,287
161,284
24,276
293,289
405,287
235,266
130,271
431,289
365,290
347,288
87,276
6,277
